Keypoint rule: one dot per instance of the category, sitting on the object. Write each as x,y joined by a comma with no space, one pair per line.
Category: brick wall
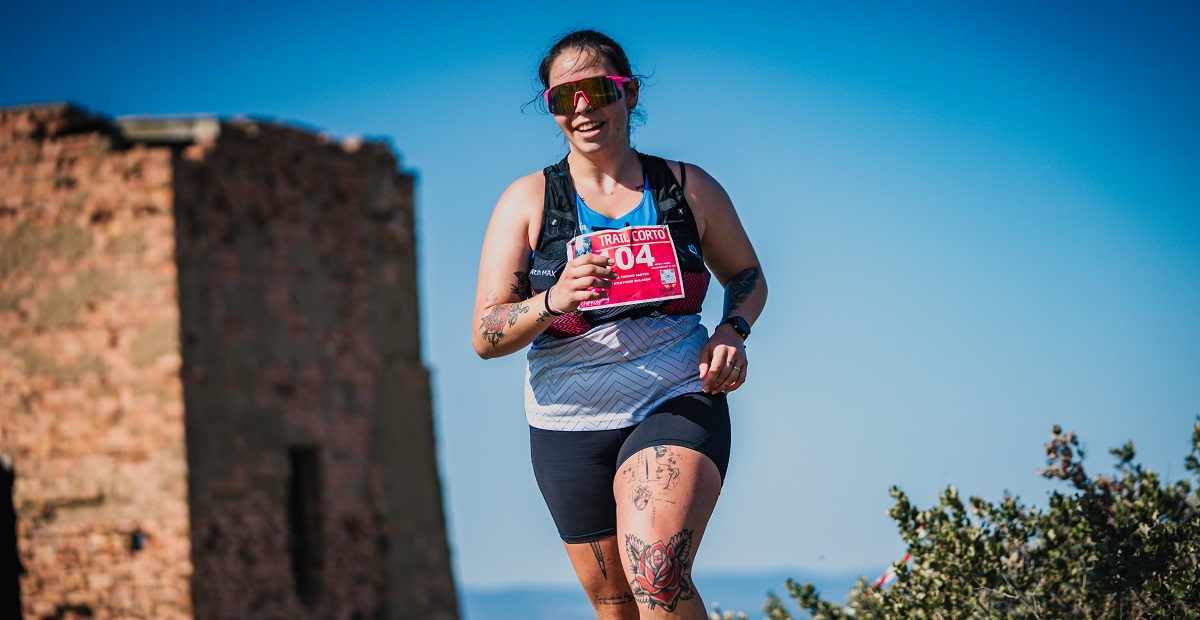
91,407
256,285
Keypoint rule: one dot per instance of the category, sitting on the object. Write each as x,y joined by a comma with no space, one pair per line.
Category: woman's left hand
723,363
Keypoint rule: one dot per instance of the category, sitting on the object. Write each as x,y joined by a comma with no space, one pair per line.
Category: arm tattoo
522,289
662,572
740,288
544,315
515,311
494,323
599,557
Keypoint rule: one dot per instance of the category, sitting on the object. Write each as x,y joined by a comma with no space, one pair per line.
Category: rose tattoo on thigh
661,571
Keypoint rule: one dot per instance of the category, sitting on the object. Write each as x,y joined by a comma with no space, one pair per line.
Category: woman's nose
581,103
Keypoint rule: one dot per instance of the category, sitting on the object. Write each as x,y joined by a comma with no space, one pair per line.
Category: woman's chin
595,147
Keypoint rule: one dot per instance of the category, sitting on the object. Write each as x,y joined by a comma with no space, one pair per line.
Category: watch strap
739,325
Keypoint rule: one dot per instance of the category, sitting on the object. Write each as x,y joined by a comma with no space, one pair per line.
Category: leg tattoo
643,479
662,572
642,496
599,558
667,471
620,599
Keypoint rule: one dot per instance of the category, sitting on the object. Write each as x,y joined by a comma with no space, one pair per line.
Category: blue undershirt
644,214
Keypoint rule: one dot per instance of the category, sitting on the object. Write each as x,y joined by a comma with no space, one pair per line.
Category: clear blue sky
977,220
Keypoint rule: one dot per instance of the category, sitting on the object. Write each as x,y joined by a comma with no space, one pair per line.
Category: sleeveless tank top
609,368
560,223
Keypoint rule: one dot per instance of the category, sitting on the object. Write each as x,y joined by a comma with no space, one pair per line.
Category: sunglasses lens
561,98
600,91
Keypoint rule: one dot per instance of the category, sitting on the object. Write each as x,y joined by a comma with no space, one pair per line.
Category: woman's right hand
585,278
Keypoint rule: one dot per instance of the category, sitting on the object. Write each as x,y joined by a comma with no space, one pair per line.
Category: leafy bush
1123,546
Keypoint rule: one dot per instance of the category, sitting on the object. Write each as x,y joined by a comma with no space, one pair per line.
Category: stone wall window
304,520
10,562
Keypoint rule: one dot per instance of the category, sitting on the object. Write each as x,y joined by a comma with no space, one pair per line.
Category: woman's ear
631,93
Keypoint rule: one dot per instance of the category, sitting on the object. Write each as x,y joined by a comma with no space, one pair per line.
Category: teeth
588,126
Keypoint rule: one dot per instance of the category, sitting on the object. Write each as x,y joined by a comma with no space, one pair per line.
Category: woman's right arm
507,316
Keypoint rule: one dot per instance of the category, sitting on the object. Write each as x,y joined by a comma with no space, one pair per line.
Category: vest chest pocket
546,267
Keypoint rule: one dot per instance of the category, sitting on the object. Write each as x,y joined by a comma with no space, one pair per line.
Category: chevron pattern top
614,375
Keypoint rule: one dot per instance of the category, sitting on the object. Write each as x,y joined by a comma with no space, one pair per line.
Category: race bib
644,260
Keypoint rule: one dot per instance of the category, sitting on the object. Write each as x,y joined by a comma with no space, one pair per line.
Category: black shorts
575,469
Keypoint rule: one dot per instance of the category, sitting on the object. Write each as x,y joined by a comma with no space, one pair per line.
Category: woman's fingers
725,371
705,364
738,376
598,282
584,279
718,370
592,269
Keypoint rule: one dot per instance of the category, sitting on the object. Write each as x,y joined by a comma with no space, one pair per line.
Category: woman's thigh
667,484
665,496
574,471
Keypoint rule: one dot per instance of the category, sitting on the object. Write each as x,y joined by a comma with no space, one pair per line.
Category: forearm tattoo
498,319
740,288
492,326
662,572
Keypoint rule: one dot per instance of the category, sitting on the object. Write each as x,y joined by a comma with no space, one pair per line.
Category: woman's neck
605,170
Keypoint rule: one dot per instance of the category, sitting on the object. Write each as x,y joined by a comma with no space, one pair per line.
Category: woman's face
588,129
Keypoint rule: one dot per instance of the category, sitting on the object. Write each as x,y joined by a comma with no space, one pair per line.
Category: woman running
625,398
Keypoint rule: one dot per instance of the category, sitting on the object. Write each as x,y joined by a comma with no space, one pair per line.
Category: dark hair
604,49
591,41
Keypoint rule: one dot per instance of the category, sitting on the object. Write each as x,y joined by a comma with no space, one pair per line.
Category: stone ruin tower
212,400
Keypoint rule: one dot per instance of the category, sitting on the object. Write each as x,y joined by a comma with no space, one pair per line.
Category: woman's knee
660,576
597,564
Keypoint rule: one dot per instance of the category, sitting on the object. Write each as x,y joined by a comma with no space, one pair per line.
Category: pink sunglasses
597,91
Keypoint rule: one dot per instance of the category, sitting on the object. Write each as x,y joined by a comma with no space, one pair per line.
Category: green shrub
1123,546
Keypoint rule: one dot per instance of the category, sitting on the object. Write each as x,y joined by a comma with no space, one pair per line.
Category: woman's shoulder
699,187
524,194
690,176
528,186
519,210
704,195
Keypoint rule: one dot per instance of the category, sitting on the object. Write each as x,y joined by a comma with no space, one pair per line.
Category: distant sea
732,591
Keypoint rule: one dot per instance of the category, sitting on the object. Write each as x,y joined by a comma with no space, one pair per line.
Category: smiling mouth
589,126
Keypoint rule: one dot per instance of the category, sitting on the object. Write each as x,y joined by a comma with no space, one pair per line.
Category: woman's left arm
730,256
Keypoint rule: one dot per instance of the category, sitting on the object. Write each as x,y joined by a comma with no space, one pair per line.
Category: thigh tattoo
662,572
644,477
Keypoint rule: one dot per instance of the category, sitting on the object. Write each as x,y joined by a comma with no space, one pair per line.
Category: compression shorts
575,470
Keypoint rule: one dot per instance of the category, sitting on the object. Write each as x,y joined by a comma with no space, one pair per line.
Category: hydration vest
560,224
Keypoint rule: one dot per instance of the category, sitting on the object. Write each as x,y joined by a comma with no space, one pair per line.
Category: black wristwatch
739,325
